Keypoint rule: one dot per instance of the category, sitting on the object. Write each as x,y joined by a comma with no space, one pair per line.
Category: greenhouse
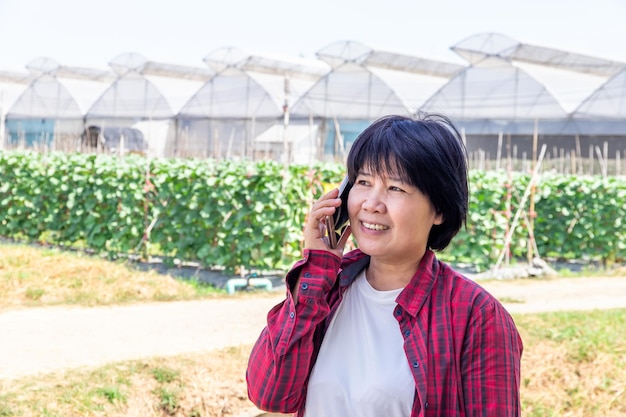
144,99
508,99
362,85
534,96
232,114
52,108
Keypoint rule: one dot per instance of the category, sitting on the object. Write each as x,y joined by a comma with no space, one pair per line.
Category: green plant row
227,214
233,214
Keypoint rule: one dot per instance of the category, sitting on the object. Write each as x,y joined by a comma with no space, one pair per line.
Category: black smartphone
337,224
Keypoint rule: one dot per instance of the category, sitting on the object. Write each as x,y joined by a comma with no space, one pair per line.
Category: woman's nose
373,202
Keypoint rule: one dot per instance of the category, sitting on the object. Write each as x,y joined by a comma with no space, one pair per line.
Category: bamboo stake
579,155
499,152
253,143
509,199
606,156
339,138
533,188
507,239
286,147
601,160
312,140
229,146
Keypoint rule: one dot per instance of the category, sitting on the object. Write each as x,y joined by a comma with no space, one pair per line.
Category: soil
50,339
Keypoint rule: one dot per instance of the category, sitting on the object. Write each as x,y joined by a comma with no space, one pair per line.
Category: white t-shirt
361,369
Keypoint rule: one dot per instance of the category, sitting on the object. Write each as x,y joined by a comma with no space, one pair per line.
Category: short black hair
427,152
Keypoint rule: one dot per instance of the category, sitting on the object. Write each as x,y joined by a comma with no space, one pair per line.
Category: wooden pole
533,188
579,155
509,198
605,152
286,147
509,235
499,152
602,162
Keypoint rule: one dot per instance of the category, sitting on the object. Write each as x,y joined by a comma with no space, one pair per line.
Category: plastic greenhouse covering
493,88
608,101
237,104
349,92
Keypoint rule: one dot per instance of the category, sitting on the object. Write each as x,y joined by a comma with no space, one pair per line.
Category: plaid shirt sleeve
281,359
462,345
491,364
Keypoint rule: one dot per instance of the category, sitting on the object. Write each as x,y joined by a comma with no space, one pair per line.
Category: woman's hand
314,229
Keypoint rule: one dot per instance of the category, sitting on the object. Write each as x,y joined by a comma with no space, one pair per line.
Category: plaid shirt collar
414,295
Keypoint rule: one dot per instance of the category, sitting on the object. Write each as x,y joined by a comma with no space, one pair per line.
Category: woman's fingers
315,226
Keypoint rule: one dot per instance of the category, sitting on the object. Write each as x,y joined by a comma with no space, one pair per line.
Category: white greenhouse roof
367,83
177,91
9,92
168,88
573,79
412,88
568,87
131,96
339,53
483,45
493,88
177,71
608,101
507,84
248,86
232,93
13,77
349,91
49,66
134,62
45,98
231,57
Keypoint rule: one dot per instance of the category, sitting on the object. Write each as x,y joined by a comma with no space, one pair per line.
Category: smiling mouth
373,226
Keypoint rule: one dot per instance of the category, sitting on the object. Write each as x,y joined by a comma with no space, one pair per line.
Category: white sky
93,32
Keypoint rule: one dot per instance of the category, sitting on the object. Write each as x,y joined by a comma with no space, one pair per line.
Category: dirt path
40,340
533,296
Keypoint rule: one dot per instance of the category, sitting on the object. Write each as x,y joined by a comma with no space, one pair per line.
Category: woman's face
390,219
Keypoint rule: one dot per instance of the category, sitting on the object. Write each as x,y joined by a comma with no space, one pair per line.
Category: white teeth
372,226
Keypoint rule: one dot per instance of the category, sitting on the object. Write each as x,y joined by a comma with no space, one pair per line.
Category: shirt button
416,364
398,312
426,405
304,286
292,314
307,274
407,333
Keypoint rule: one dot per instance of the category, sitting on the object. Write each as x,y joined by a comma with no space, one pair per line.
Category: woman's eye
392,188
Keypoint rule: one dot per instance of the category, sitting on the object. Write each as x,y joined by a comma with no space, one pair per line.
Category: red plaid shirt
461,344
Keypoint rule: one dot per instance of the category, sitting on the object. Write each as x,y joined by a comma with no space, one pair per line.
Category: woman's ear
438,219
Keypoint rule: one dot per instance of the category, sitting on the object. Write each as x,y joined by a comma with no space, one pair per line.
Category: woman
387,329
